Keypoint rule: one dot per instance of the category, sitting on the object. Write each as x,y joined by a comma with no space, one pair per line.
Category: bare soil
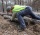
11,28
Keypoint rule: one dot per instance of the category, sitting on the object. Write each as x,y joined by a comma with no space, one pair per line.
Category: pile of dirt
11,28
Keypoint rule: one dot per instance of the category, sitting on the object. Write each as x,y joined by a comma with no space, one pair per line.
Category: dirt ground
11,28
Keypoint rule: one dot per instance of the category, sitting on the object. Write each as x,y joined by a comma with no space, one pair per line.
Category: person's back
18,8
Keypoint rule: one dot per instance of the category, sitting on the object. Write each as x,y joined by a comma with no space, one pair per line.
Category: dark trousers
26,11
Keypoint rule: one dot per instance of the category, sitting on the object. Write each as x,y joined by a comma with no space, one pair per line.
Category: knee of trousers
30,8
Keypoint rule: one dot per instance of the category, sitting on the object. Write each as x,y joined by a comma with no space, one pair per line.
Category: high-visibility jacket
18,8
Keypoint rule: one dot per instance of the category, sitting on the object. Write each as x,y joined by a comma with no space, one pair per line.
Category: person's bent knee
29,8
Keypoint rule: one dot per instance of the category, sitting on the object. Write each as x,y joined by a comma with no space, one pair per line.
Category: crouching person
20,11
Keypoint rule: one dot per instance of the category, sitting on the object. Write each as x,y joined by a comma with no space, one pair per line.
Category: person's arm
13,16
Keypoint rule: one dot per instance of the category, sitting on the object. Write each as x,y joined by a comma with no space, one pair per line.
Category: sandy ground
11,28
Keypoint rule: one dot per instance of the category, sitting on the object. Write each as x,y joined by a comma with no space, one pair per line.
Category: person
20,11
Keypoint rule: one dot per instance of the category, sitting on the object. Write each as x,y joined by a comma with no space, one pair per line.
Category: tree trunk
29,20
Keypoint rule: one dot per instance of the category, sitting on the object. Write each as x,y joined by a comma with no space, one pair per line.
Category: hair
12,8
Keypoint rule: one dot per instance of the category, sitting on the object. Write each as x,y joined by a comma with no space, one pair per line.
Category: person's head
8,8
